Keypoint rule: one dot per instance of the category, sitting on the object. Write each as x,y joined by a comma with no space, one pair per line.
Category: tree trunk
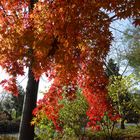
26,131
122,123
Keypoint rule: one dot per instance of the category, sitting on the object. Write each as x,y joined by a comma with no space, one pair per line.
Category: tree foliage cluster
72,118
132,40
12,104
66,40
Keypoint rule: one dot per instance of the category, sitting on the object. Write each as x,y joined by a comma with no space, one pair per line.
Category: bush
9,126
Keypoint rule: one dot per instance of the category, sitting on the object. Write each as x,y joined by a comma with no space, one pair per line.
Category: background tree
136,97
120,92
132,40
12,103
112,68
18,102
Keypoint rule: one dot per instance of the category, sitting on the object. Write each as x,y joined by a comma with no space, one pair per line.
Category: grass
130,131
8,137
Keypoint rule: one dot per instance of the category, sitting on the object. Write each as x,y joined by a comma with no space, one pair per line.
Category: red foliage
10,85
68,41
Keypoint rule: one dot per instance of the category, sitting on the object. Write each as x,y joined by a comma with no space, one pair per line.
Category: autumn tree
66,40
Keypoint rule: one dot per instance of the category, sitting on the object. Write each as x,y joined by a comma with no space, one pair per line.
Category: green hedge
9,126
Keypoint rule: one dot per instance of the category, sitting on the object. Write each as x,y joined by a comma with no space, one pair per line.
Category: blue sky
118,46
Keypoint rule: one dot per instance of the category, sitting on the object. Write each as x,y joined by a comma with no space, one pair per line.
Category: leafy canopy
67,40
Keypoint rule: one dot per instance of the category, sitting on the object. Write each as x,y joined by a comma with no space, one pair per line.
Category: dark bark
122,124
26,130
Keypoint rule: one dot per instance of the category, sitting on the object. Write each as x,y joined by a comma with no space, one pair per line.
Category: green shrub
9,126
